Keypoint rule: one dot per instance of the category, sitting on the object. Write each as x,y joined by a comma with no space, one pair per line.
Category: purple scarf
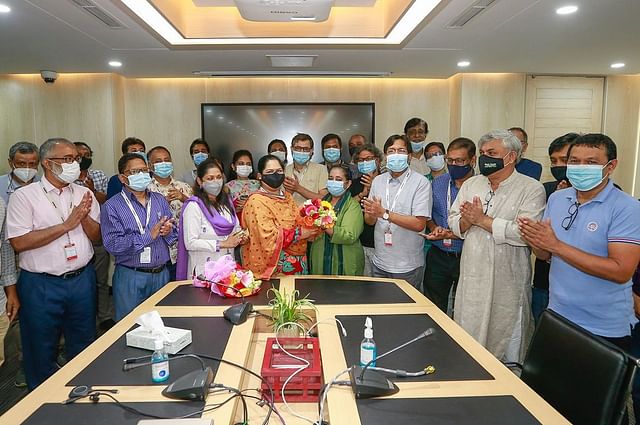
221,226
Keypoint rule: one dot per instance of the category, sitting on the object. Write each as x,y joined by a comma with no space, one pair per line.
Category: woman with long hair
209,226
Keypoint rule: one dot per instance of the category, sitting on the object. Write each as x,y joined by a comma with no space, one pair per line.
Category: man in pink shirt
51,225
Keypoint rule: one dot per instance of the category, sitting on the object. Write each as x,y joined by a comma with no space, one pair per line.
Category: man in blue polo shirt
591,234
443,259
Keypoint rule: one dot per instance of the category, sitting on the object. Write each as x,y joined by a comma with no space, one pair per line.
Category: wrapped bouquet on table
226,278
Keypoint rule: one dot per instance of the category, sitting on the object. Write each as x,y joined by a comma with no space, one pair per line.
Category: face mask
244,170
436,162
139,182
199,157
274,180
352,150
25,174
213,187
459,171
489,165
417,146
559,173
335,187
163,169
280,155
85,163
366,167
397,162
301,158
142,154
69,173
585,177
331,154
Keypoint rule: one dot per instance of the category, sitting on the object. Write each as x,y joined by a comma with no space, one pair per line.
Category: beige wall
102,108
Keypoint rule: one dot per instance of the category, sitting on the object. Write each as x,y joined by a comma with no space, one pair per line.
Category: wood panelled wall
102,109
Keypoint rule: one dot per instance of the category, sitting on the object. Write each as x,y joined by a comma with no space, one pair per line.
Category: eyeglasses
305,150
573,213
363,159
401,151
431,155
135,171
487,199
68,159
456,161
419,132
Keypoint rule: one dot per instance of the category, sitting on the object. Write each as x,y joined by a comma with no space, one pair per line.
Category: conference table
469,385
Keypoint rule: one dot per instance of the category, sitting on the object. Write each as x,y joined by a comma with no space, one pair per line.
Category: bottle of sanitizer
159,363
368,349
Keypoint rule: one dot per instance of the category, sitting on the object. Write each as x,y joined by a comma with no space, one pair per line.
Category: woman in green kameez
337,251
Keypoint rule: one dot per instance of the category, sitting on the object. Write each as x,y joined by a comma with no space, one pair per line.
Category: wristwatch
385,216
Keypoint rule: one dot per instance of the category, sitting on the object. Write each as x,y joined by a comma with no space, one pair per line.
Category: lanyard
55,207
135,216
395,198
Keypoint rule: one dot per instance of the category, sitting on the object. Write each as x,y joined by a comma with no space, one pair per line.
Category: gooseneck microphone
375,384
238,313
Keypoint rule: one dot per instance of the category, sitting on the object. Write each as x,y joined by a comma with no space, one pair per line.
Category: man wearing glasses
23,160
304,179
492,298
591,234
137,229
51,224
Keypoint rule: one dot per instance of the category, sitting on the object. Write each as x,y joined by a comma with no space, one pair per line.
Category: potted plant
289,308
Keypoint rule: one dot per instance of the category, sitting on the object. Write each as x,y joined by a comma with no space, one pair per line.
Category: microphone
375,384
238,313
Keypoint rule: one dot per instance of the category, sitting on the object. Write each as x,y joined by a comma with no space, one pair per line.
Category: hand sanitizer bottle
368,349
159,363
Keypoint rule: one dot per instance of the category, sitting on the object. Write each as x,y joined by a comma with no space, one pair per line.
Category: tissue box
175,339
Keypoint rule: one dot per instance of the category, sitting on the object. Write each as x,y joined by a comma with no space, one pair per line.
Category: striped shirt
121,235
440,212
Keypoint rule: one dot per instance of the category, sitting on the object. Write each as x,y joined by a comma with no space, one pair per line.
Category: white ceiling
511,36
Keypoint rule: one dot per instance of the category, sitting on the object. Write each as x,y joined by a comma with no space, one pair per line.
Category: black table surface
494,410
209,336
452,362
343,291
108,413
189,295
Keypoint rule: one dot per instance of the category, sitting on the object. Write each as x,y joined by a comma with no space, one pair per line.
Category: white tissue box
175,340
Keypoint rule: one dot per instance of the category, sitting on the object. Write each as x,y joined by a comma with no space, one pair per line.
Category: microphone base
238,313
372,384
192,386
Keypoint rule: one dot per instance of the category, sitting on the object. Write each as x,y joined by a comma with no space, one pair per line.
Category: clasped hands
79,213
163,227
291,184
373,207
539,234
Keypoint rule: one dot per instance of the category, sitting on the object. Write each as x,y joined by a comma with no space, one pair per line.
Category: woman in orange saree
277,244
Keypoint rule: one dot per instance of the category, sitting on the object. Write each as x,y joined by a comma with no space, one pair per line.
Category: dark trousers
51,306
442,274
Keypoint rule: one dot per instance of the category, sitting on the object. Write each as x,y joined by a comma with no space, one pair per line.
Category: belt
67,275
153,270
449,253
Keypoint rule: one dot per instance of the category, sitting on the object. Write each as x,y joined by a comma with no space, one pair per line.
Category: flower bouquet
227,279
317,213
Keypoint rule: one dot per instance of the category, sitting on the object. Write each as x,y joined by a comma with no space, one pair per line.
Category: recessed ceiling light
4,8
567,10
115,64
617,65
464,64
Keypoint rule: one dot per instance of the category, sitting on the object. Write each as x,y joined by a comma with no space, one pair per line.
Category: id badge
388,237
145,255
447,242
70,251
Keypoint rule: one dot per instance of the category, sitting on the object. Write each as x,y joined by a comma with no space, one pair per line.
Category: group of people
416,211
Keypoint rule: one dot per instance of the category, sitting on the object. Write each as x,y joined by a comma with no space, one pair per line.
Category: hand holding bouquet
317,213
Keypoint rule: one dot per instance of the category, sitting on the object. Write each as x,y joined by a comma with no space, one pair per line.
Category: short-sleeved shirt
406,253
419,165
313,177
598,305
8,185
31,208
444,193
100,180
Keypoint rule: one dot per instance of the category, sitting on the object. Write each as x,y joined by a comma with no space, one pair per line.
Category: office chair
584,377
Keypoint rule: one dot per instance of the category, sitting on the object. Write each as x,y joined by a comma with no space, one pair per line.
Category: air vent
99,13
469,13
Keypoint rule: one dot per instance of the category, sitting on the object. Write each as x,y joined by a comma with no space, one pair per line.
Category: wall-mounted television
228,127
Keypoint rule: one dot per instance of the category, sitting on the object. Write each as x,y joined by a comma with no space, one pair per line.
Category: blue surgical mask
585,177
417,146
142,154
397,162
335,187
199,157
163,169
436,162
331,154
139,182
301,158
366,167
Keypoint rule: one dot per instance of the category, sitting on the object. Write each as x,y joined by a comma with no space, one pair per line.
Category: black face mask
85,163
274,180
352,150
489,165
559,173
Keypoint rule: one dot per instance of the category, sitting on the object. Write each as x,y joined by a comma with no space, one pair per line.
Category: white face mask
25,174
69,173
244,170
280,155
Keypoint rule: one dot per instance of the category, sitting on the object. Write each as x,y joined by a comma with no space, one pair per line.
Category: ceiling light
4,8
567,10
464,64
292,73
115,64
617,65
